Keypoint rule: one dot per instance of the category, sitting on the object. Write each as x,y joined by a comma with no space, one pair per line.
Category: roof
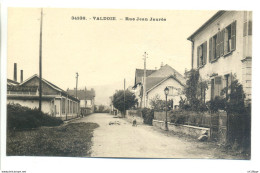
83,94
44,80
214,17
166,71
12,82
139,74
153,82
51,85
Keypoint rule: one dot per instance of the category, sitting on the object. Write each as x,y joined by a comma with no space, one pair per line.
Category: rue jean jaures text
115,18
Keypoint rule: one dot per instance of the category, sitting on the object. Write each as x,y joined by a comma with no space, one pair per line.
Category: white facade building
222,51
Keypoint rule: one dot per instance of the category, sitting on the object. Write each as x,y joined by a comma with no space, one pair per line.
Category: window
227,84
173,91
223,42
63,106
202,54
71,107
216,87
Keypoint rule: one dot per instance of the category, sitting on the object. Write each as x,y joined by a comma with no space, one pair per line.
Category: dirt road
143,141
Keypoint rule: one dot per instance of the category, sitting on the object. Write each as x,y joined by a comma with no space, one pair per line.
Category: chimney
21,79
15,72
155,68
161,64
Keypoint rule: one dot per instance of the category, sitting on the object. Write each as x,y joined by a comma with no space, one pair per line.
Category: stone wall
183,129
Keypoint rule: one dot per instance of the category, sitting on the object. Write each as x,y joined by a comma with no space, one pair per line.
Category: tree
195,92
118,100
158,104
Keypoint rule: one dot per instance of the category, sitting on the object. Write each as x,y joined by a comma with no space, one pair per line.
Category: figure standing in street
134,121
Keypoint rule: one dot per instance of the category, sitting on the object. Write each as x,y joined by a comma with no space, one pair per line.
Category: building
156,82
87,100
222,51
55,101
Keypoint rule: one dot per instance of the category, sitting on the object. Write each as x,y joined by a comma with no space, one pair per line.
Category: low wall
183,129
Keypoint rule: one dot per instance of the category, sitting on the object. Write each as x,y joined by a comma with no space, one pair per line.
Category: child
134,121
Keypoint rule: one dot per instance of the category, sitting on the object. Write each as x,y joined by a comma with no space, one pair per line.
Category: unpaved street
143,141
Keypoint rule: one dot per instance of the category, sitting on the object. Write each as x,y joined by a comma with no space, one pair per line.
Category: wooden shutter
204,52
249,27
218,45
245,29
210,49
198,54
212,89
218,85
233,36
222,42
225,41
213,49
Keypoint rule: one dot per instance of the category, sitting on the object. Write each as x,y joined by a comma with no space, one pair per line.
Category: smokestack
161,64
155,68
21,76
15,72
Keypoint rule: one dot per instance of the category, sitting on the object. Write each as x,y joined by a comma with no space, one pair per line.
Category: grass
73,139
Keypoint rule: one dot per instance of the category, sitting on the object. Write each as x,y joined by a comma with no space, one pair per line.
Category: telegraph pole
40,68
77,75
144,85
124,96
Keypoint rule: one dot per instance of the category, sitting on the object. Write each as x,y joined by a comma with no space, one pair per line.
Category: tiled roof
166,71
152,81
139,74
82,94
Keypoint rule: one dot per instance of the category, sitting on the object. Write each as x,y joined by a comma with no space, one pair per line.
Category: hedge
21,117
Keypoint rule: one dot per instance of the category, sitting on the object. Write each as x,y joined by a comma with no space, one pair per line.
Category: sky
103,52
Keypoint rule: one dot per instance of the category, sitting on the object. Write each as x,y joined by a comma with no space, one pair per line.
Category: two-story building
87,100
222,51
156,82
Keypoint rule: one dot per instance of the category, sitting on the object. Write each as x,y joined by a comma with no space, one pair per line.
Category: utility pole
124,96
40,68
77,75
144,84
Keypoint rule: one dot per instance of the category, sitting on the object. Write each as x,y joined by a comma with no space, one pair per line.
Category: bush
20,117
190,118
178,117
217,104
148,115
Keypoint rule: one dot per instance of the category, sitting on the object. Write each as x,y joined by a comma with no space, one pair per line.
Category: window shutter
213,48
210,49
249,27
233,36
198,54
218,85
225,41
218,45
205,52
222,42
245,29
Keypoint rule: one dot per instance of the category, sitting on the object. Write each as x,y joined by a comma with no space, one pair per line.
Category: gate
219,127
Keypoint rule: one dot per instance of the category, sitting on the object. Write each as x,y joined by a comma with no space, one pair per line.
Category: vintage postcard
114,83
